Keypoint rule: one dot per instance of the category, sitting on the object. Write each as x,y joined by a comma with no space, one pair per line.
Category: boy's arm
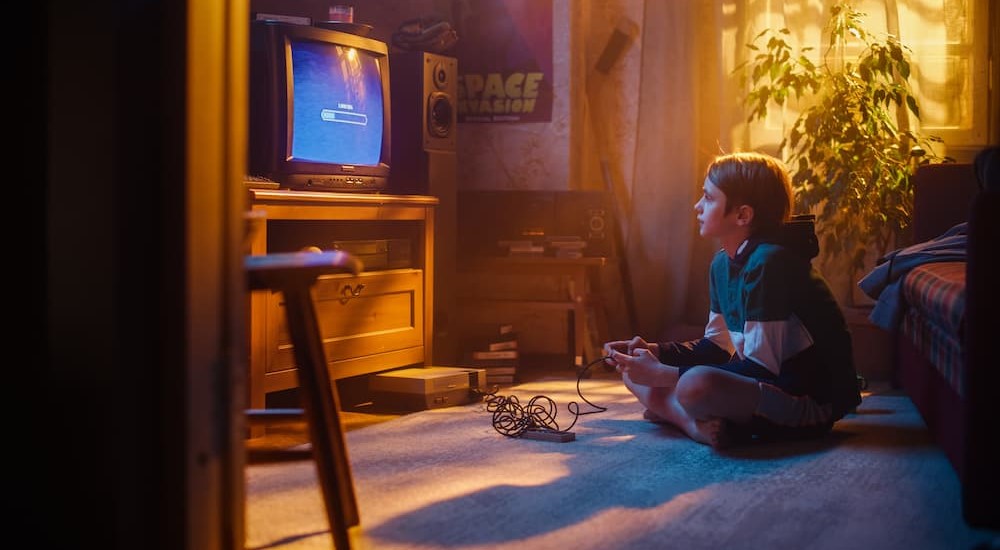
702,351
714,348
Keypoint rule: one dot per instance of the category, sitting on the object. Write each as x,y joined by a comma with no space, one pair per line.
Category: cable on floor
513,419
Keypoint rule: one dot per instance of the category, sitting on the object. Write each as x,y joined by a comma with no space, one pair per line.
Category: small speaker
588,215
424,88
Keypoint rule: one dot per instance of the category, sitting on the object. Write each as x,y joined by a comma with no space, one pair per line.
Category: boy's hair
757,180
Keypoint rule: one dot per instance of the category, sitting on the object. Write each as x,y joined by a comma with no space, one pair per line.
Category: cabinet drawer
365,315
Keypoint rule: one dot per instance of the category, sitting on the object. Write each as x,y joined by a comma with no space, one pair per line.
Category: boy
775,361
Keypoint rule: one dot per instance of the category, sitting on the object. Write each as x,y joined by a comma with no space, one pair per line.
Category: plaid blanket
935,317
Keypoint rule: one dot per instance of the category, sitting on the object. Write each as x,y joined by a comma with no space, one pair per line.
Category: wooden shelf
374,321
572,294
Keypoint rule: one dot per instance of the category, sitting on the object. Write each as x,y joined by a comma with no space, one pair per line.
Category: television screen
338,109
320,113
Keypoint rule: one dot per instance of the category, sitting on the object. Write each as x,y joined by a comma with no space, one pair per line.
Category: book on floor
497,354
500,379
468,360
495,370
502,345
493,348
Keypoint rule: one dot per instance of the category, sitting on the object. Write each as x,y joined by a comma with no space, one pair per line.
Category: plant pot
872,345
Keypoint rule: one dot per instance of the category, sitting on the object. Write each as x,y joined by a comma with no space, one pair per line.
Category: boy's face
713,221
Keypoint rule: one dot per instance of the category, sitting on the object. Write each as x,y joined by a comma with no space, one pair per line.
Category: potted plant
852,150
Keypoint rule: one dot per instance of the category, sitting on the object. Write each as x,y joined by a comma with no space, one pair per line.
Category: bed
939,299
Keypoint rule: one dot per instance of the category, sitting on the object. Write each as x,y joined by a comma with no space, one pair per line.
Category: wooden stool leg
322,411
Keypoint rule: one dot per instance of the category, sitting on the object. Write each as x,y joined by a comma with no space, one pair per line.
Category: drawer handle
351,292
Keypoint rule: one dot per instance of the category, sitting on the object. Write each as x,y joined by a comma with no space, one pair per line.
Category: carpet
445,478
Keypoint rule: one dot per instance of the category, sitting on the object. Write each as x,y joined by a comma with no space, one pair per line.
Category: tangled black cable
512,419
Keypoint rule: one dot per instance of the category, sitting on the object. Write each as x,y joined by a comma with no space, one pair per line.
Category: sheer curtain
682,110
667,134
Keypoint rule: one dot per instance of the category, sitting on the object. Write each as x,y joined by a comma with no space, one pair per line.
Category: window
949,45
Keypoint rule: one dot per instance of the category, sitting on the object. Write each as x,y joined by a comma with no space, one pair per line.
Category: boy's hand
627,347
610,348
642,367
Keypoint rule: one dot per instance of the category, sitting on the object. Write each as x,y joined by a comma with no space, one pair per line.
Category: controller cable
537,418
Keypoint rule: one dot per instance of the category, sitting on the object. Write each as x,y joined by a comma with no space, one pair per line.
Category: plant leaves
849,161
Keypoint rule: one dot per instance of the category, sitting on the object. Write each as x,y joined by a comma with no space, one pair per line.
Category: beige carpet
446,479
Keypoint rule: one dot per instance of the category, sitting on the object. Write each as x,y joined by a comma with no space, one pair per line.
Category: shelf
376,320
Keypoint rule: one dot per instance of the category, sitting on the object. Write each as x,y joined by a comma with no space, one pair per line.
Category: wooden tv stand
378,320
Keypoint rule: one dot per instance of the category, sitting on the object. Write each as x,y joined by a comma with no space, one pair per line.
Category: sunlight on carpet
446,479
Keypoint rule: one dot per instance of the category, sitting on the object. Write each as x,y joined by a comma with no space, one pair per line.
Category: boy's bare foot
711,432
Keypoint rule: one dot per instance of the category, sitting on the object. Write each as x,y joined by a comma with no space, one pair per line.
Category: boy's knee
694,387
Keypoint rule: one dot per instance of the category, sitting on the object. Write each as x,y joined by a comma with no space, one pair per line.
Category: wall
135,449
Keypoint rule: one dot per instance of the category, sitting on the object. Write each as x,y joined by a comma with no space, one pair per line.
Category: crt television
319,115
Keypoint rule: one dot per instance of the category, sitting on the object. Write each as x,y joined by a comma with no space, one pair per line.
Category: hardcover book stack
569,246
493,348
522,248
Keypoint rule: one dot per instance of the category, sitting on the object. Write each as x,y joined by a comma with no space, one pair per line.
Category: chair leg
322,411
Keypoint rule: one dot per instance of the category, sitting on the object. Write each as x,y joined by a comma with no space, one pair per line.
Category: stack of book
521,247
565,246
494,351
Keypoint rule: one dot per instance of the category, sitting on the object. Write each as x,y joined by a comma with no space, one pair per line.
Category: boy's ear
744,214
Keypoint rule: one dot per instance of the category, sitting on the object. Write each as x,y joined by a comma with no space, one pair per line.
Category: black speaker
424,122
588,215
423,88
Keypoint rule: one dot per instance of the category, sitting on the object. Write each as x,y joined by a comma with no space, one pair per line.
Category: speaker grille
440,115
